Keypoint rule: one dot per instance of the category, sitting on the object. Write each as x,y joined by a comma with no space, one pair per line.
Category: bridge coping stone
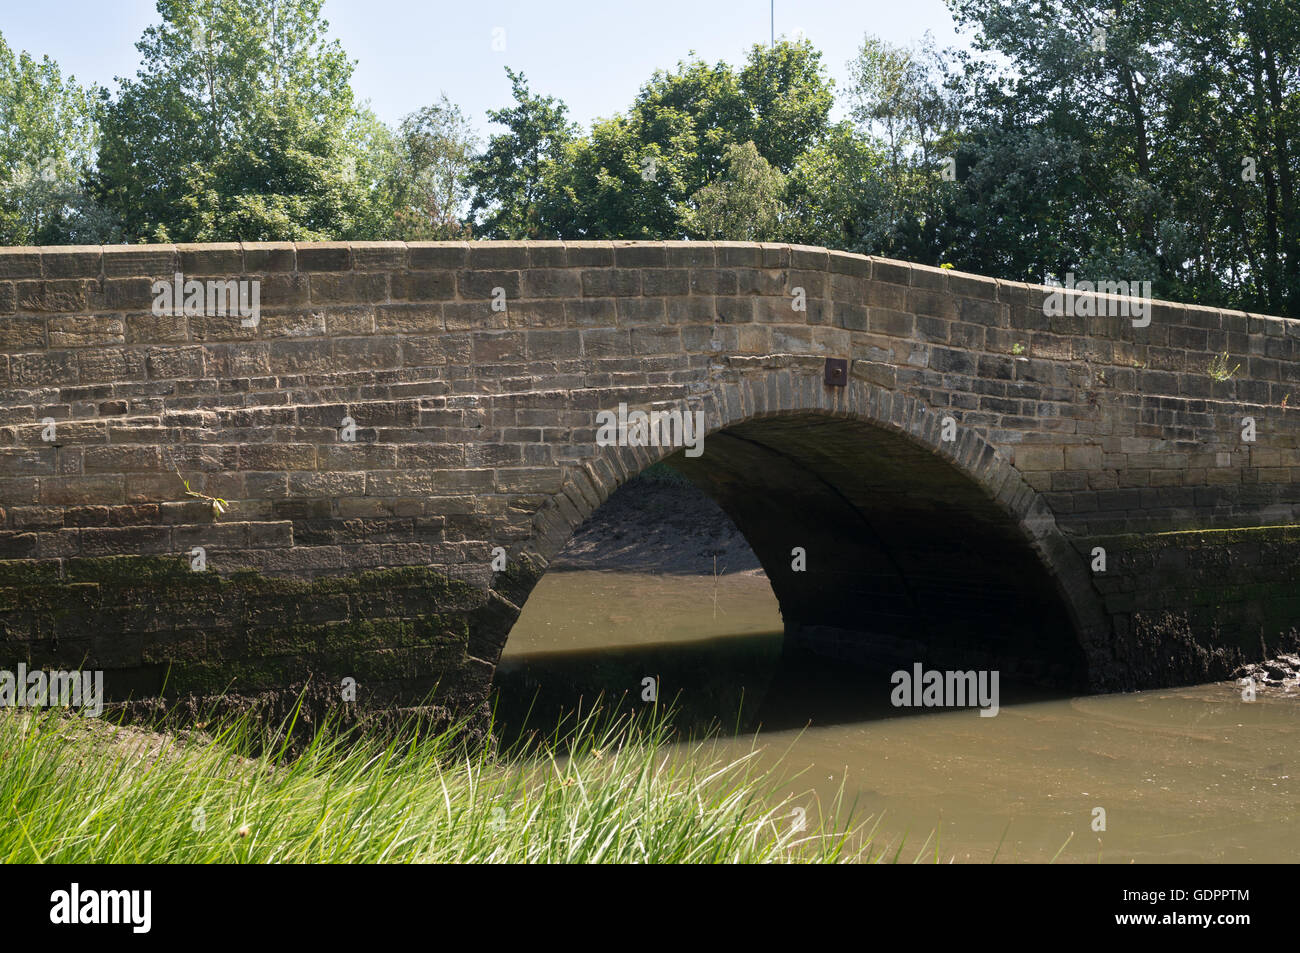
30,263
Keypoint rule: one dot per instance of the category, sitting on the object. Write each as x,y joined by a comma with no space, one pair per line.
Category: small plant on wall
1218,368
217,504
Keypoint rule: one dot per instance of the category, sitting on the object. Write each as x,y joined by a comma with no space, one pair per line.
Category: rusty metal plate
837,372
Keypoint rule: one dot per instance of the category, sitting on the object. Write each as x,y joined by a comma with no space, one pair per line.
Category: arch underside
908,558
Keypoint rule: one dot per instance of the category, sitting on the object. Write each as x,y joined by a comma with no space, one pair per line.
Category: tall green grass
75,791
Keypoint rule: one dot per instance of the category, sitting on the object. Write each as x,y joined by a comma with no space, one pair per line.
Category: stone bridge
982,480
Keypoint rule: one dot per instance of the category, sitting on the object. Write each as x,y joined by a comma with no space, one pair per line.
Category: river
1183,775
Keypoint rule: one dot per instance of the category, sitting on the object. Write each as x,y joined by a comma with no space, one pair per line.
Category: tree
905,111
641,175
789,98
509,176
690,117
1230,144
428,181
1081,79
47,143
779,100
287,179
745,204
185,153
838,194
612,184
1170,127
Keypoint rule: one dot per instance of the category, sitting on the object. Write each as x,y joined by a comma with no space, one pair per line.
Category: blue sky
593,55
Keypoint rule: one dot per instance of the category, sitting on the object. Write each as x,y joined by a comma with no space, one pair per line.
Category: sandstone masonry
475,429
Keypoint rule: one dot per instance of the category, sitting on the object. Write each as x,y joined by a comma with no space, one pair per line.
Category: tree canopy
1145,139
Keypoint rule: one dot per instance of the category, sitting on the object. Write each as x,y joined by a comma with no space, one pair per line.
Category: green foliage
1143,117
905,120
695,117
836,192
643,174
612,184
787,100
217,504
428,183
898,97
376,168
744,204
1218,367
47,145
690,116
600,792
508,178
234,128
289,179
1148,140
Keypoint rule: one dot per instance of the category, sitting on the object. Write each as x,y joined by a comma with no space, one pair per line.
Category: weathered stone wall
475,429
1195,605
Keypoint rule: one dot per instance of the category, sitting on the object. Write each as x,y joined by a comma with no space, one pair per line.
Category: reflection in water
1192,774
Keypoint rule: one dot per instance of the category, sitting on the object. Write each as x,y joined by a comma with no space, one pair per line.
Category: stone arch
796,394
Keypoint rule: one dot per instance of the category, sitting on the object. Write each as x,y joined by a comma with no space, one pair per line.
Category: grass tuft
608,790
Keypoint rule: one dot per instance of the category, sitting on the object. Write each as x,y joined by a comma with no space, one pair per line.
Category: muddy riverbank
658,523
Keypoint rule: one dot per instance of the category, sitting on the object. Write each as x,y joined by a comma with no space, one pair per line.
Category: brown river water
1183,775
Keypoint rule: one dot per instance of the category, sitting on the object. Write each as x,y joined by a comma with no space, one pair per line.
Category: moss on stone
1193,538
273,632
27,572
